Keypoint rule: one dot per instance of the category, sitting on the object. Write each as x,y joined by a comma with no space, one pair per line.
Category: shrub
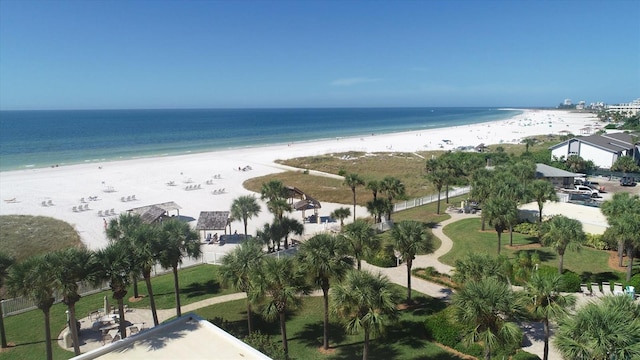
475,350
635,282
523,355
383,258
527,228
597,242
264,344
441,329
570,282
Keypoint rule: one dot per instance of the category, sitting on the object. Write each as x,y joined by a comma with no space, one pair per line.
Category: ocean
32,139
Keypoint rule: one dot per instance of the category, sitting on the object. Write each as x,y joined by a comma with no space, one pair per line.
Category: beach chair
44,203
618,289
112,211
99,212
606,288
133,197
122,199
595,290
82,200
50,202
74,209
128,198
585,289
86,207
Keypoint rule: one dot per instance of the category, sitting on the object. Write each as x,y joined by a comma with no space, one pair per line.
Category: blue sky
247,54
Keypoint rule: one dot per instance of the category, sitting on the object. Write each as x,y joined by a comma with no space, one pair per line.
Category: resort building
603,150
631,108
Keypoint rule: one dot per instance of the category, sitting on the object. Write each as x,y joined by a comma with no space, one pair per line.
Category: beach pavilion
305,203
210,221
151,214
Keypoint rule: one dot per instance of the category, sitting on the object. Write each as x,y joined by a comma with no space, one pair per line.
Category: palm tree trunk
47,334
123,323
325,334
630,255
620,252
283,331
177,290
482,227
73,328
365,352
3,335
487,353
245,229
560,262
499,241
152,301
447,193
510,235
438,209
134,278
249,317
354,203
546,340
359,264
409,265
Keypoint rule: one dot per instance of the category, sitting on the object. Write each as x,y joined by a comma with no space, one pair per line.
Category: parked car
588,190
627,181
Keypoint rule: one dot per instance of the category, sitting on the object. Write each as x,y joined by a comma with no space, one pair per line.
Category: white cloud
353,81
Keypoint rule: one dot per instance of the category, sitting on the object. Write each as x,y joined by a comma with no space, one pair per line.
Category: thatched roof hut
212,221
154,213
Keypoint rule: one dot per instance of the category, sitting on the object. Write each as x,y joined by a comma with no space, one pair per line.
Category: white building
603,150
631,108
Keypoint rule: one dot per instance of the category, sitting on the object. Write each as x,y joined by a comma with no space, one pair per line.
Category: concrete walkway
91,338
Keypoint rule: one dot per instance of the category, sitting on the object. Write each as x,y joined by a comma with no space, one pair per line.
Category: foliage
264,344
635,282
470,349
527,228
475,266
569,281
562,233
523,355
442,329
625,164
597,242
383,257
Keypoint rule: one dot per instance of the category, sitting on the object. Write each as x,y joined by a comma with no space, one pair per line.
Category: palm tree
5,263
367,302
626,228
394,188
377,208
439,178
290,226
542,191
603,330
237,267
548,302
528,142
33,279
70,267
481,181
353,181
485,306
113,264
561,233
278,284
178,240
122,228
273,190
278,207
501,213
323,257
621,203
341,214
245,207
361,240
375,186
410,237
147,247
476,266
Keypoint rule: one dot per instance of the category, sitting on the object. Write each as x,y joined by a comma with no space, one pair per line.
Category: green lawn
466,236
404,340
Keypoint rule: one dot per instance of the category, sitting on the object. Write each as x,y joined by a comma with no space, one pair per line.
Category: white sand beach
147,178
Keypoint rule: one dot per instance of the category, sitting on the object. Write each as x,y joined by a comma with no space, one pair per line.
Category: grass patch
404,340
22,236
466,236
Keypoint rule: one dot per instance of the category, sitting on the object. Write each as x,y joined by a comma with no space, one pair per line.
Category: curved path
90,338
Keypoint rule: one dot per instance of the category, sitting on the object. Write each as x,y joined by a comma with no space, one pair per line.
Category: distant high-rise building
631,108
567,102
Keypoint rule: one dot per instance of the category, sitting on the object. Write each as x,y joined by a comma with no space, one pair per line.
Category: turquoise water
43,138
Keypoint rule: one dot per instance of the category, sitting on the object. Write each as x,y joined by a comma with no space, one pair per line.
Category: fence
405,205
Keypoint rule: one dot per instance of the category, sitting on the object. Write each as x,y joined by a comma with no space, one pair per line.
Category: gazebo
212,221
305,203
154,213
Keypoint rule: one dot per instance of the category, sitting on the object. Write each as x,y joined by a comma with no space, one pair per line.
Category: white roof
187,337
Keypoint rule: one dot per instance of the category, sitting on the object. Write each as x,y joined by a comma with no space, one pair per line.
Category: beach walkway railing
405,205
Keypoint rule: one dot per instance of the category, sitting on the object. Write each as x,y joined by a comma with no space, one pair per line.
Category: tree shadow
312,334
543,254
377,350
424,305
198,289
589,277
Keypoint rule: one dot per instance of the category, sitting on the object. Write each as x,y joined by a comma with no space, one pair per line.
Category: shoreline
147,177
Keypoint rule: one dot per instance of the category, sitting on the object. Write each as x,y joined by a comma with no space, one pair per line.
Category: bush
570,282
523,355
265,345
635,282
441,329
475,350
383,258
526,228
597,242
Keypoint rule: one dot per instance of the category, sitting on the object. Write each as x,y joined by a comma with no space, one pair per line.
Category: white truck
587,190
